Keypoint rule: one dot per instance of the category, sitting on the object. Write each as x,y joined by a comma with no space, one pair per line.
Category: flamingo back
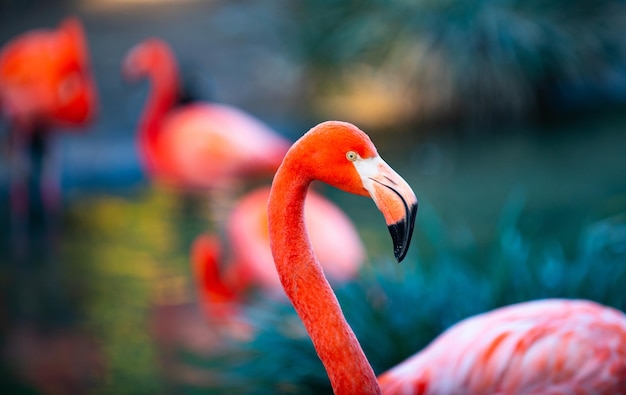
542,347
211,144
334,238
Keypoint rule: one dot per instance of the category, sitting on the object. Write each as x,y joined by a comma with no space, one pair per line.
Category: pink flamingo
549,347
200,145
333,235
45,83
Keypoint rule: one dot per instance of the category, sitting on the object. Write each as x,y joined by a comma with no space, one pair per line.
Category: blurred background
507,118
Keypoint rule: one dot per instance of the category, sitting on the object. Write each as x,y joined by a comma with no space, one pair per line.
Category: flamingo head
146,57
341,155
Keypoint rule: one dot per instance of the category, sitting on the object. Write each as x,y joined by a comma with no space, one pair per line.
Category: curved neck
306,286
162,97
205,258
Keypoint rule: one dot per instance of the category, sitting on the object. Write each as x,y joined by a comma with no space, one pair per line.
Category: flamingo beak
394,198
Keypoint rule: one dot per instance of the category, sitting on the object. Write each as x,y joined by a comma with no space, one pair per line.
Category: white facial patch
368,169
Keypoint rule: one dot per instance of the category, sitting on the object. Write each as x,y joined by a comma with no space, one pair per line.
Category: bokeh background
507,118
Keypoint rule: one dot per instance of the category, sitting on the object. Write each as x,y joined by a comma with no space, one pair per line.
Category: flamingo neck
164,94
217,297
310,293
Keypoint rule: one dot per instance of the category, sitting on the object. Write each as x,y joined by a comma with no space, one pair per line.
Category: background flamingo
45,83
217,298
524,354
199,145
335,238
222,284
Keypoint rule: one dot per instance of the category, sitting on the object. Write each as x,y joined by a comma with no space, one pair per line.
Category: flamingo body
45,83
546,347
201,145
550,346
334,238
45,78
205,144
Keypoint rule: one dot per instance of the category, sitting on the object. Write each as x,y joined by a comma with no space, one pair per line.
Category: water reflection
45,344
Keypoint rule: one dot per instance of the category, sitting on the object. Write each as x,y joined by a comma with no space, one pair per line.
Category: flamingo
544,347
200,145
217,297
334,236
45,83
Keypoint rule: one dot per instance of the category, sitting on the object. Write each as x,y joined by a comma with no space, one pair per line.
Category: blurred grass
128,249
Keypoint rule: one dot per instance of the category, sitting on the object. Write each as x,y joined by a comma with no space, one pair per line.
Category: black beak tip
402,232
399,254
400,243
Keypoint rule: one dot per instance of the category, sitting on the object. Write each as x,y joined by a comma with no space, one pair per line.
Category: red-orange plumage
45,84
45,78
217,298
543,347
321,154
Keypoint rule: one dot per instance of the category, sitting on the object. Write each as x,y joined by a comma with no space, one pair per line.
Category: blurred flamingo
199,145
334,237
223,286
544,347
218,299
45,83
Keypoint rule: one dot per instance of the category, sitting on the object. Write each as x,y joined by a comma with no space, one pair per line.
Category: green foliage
477,58
396,310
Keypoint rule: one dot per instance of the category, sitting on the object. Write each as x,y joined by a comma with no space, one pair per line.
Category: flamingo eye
352,156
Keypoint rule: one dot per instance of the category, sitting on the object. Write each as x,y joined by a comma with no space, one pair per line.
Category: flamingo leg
50,178
35,191
19,170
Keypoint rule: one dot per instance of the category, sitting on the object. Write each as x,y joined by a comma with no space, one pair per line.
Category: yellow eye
352,156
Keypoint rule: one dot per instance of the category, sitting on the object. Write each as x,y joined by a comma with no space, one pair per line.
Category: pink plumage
547,347
200,145
334,237
223,284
